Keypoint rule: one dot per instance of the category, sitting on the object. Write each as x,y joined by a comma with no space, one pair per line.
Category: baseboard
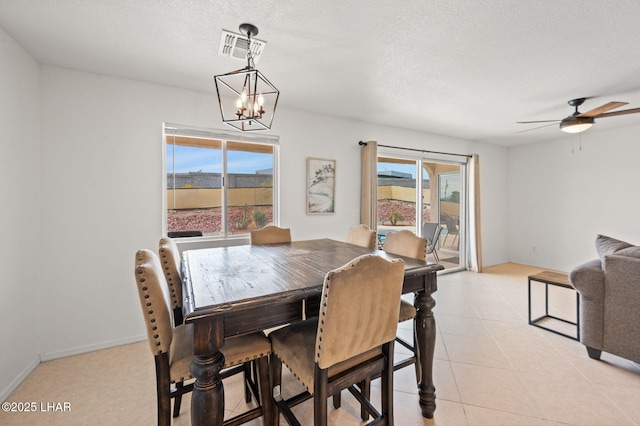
48,356
19,379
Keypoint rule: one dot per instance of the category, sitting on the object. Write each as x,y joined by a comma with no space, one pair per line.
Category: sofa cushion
607,245
633,251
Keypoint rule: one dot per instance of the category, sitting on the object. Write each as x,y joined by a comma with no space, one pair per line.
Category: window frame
464,189
169,129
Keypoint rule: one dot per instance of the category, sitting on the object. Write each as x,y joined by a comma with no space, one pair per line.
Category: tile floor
490,368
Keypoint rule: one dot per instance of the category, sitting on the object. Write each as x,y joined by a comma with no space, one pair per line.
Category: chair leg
435,254
337,400
247,379
266,402
163,389
254,369
276,380
387,384
321,381
365,390
177,399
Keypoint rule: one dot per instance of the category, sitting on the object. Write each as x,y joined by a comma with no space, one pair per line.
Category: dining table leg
425,332
207,399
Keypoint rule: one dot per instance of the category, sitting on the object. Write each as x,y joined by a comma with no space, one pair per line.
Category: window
219,184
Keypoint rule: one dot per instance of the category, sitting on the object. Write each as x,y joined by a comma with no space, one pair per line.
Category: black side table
560,280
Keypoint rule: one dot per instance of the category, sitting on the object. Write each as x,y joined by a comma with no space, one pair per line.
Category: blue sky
404,168
449,182
194,159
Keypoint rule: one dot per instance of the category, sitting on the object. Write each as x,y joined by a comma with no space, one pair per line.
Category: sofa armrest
588,280
621,313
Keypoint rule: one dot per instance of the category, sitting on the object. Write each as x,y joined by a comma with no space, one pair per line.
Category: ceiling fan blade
536,128
623,112
541,121
602,109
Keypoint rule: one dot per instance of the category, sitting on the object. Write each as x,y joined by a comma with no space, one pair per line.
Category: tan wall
407,194
238,197
208,198
400,193
452,209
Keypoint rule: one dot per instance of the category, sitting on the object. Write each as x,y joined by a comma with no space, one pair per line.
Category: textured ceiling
467,69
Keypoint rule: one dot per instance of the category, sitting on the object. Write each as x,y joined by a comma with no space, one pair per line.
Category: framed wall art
321,186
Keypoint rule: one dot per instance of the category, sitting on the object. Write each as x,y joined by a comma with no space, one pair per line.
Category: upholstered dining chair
348,343
406,243
170,260
172,347
171,265
362,235
431,231
270,234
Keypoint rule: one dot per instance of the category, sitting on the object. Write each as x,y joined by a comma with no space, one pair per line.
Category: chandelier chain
250,64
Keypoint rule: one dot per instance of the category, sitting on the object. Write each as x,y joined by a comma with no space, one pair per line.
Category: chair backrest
431,231
347,329
270,234
452,227
361,235
406,243
170,259
154,301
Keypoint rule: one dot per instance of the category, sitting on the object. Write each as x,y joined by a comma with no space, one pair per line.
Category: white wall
20,214
310,135
561,196
102,137
102,146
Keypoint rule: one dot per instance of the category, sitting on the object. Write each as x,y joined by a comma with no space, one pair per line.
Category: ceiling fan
581,121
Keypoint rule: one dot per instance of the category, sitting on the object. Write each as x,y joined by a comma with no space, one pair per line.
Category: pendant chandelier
247,99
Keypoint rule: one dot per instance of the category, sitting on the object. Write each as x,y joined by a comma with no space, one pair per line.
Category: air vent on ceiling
236,45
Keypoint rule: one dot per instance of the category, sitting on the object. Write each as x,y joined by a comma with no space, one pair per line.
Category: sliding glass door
420,194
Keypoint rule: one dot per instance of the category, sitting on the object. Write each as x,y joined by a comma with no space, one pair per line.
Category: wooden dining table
230,291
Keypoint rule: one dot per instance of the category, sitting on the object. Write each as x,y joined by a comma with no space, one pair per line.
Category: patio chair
452,228
431,231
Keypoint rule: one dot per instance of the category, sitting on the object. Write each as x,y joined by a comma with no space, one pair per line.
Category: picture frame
321,186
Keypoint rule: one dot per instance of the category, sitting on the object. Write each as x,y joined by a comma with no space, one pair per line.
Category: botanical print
321,183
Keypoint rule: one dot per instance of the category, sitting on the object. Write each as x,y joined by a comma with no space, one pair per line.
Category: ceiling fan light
576,124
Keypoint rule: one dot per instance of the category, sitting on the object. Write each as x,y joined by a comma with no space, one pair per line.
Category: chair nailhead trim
295,375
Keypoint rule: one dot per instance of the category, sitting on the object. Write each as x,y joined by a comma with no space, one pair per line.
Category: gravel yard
209,221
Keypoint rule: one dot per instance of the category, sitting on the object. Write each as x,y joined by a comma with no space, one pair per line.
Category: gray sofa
609,290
